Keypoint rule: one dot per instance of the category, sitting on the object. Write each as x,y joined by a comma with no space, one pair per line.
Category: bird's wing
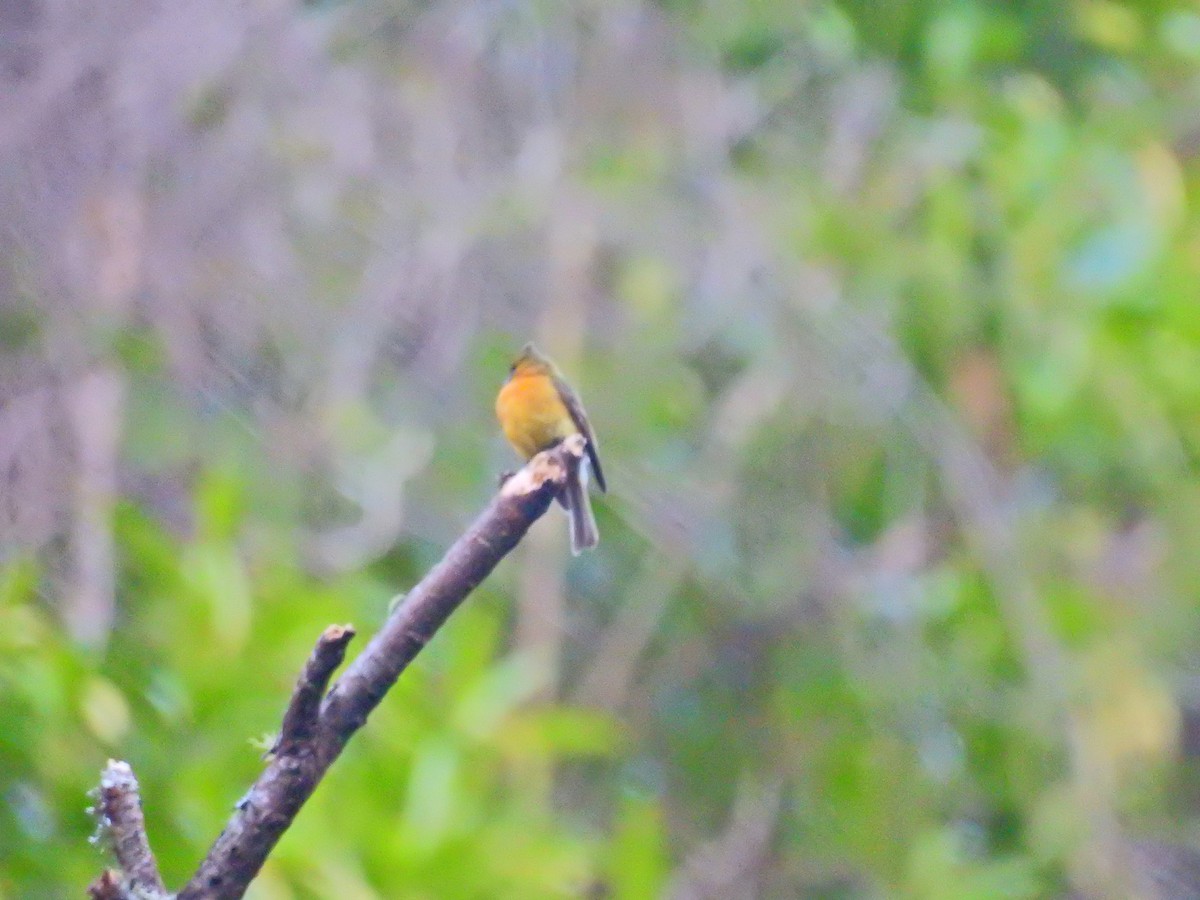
571,401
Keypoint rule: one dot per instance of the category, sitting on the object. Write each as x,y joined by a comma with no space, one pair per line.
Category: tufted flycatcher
537,409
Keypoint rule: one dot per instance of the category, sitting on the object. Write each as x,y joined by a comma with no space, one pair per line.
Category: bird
537,409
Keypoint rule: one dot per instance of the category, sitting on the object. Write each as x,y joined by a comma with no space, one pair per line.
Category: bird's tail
584,534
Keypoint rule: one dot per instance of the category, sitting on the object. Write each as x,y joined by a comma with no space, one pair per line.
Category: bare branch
121,820
310,742
300,720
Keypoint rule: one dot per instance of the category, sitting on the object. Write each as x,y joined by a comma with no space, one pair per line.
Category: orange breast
532,414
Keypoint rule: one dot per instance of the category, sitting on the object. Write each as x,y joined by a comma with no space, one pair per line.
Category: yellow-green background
887,316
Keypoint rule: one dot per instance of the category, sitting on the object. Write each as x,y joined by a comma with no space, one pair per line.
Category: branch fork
318,722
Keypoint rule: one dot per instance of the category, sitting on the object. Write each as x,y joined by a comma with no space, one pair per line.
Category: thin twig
121,820
309,744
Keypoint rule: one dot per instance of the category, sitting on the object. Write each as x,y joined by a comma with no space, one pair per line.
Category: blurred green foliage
908,612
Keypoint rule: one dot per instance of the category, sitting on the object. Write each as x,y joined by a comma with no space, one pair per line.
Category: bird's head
530,362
